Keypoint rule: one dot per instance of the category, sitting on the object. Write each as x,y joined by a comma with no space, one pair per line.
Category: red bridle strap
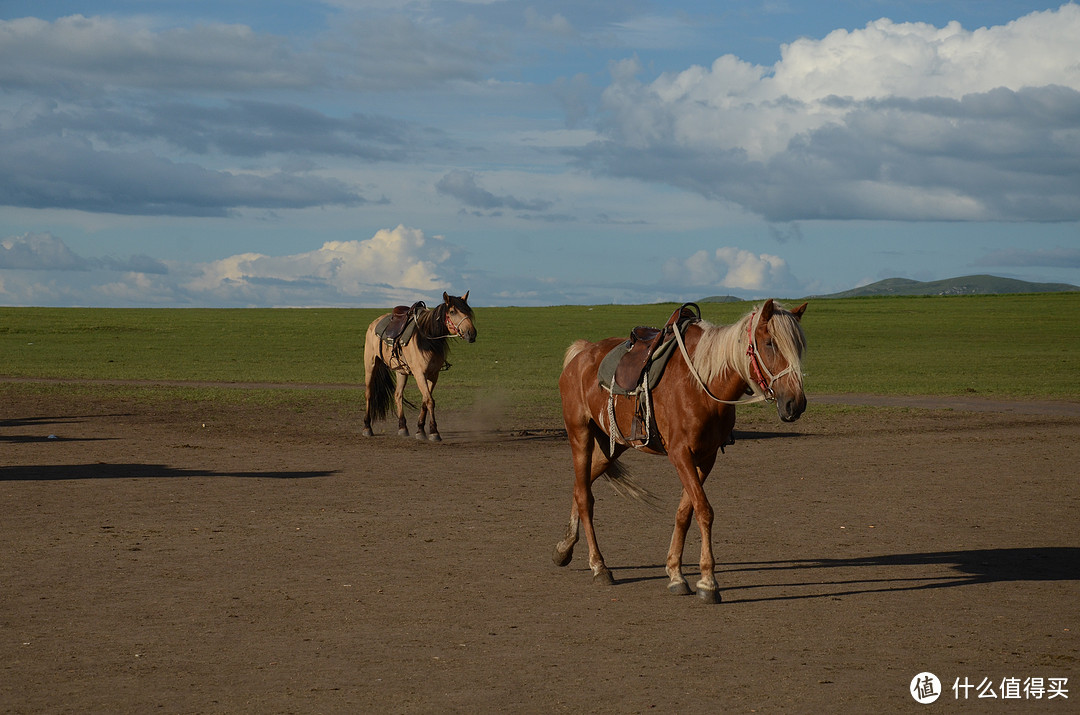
751,352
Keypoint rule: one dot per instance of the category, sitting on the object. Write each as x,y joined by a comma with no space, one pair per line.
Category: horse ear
799,311
767,310
465,297
446,297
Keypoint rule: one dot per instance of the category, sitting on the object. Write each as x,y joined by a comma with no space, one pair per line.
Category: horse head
776,349
459,316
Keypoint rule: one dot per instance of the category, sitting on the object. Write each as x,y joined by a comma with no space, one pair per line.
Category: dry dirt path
189,559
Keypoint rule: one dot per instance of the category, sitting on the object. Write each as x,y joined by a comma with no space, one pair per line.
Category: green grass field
1003,345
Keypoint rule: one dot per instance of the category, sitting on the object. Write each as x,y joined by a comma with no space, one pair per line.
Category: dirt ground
177,558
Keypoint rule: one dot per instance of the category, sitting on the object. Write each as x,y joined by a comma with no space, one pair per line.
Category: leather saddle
400,318
643,343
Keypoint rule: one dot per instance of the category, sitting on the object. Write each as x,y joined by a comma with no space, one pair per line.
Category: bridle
757,366
454,328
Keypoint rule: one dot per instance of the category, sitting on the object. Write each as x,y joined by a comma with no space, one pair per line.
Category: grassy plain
1001,345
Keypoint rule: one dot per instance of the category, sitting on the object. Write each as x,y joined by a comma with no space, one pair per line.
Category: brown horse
692,414
423,356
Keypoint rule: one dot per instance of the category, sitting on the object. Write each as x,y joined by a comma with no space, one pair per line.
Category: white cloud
393,264
893,121
731,268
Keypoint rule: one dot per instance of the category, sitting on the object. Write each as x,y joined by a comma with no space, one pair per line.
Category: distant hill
965,285
721,299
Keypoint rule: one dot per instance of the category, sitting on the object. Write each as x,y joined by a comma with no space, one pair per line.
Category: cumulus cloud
731,268
462,185
892,121
394,264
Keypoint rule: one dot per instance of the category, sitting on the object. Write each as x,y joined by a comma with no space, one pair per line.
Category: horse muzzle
790,407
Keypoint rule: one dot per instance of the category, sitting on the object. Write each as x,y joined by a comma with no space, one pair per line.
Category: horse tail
573,351
380,390
622,482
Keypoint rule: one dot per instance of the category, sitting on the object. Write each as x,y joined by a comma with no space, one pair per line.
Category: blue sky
349,153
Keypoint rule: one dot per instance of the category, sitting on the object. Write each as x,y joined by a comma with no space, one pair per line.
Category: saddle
644,343
632,368
393,328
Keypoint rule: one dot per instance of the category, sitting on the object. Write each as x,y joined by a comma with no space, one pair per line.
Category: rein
756,366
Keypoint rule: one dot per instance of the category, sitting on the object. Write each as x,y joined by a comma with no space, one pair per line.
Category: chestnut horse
424,356
692,412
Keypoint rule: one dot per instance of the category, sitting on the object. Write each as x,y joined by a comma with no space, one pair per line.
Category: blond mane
723,347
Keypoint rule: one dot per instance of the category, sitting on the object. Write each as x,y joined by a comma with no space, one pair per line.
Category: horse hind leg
589,464
378,390
399,402
564,550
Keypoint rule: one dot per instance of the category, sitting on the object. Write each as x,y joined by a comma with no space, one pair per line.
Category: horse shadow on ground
23,422
45,473
66,420
748,435
831,578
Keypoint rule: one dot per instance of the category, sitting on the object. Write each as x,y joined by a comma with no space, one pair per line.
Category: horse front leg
427,408
678,585
693,478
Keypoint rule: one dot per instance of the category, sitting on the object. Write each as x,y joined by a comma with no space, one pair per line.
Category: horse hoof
434,437
604,578
709,595
560,558
367,432
679,588
420,435
403,432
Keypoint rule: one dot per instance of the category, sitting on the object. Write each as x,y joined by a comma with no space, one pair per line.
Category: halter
451,327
